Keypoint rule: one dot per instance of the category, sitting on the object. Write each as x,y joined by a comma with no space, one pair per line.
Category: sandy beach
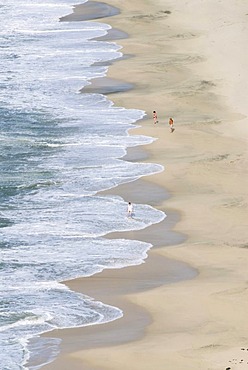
186,306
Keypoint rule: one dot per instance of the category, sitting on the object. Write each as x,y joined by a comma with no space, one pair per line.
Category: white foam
60,148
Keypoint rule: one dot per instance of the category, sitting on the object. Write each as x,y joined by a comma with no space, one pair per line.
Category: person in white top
129,209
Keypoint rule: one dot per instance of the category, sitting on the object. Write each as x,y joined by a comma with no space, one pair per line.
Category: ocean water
59,148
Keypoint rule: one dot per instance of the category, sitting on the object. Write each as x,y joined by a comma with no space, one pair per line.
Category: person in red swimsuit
155,117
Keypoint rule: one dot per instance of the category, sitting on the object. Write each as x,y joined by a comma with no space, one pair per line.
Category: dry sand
186,306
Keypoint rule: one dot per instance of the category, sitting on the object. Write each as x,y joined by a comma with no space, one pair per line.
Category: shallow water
59,148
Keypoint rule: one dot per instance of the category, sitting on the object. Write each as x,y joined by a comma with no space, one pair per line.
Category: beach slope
188,62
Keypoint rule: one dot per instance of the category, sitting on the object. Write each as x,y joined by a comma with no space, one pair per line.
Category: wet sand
90,10
186,306
105,86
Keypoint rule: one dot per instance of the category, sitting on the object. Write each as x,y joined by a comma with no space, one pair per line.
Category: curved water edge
60,148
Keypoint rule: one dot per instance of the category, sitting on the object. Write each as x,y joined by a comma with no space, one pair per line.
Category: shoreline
156,270
187,333
91,10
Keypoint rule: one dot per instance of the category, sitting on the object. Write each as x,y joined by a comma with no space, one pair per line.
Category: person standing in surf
129,210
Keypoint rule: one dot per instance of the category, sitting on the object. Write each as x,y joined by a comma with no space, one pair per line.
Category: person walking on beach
129,209
171,124
155,117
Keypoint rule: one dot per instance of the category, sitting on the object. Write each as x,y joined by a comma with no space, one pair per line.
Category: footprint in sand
240,361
